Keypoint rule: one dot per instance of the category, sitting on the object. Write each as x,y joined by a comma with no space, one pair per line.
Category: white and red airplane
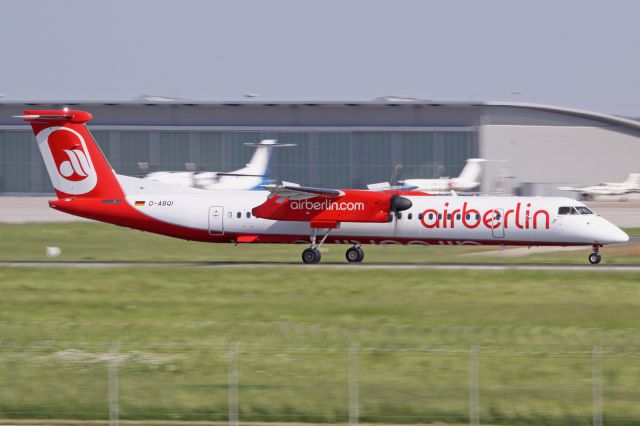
87,186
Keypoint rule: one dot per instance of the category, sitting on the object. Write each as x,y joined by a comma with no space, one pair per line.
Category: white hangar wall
562,154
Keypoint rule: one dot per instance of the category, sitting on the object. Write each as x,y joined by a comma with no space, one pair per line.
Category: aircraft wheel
311,255
595,258
354,254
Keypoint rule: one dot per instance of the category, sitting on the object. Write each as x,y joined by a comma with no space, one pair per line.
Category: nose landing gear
355,254
595,257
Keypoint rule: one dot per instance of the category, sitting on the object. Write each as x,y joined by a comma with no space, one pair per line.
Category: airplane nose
620,236
615,235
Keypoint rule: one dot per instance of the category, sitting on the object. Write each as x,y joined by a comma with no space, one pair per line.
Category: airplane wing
386,187
569,188
295,192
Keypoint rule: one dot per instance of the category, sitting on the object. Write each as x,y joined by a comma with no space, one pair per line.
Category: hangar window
583,210
568,210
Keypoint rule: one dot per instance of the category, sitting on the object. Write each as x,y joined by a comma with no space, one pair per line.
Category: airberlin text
327,205
519,217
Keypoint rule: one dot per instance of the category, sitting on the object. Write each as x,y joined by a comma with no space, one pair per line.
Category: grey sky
583,54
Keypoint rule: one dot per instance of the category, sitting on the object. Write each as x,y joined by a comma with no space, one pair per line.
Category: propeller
398,175
398,204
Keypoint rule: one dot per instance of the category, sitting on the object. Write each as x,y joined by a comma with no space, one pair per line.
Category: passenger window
420,216
439,216
458,216
477,217
399,215
410,216
468,216
449,216
238,215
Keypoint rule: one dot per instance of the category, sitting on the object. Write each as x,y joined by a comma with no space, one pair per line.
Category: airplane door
497,219
216,217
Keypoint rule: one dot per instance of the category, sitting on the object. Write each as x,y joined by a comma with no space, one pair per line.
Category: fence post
114,397
233,385
596,385
474,387
354,403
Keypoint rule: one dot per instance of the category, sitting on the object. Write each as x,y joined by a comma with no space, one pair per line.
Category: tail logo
67,159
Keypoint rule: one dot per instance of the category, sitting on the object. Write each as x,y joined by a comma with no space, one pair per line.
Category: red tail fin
76,165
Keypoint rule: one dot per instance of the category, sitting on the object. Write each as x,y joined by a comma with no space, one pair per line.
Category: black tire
354,254
595,258
310,255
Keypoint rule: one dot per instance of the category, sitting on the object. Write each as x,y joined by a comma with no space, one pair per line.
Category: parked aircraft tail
633,179
472,170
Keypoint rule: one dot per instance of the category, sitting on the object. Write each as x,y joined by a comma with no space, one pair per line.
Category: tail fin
259,163
75,163
472,170
633,179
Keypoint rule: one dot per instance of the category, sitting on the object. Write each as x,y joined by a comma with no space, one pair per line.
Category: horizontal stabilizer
55,116
239,175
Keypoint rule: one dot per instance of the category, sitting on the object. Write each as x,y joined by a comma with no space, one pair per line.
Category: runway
327,265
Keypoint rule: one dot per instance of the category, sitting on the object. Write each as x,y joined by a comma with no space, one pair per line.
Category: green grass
96,241
171,330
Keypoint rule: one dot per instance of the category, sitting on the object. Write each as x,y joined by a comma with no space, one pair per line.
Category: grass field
96,241
170,331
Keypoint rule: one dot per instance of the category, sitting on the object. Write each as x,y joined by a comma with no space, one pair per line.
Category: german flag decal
139,203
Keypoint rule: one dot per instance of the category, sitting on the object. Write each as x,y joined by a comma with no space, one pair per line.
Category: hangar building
534,147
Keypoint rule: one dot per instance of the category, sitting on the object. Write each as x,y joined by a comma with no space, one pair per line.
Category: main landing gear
355,254
312,254
595,257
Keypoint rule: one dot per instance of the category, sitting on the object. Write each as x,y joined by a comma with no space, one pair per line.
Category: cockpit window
583,210
567,210
574,210
564,210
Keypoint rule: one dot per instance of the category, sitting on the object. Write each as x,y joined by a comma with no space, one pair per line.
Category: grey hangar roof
395,115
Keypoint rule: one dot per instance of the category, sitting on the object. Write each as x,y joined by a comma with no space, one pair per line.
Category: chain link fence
313,373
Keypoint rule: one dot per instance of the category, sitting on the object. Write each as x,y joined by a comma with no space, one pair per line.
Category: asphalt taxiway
327,265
